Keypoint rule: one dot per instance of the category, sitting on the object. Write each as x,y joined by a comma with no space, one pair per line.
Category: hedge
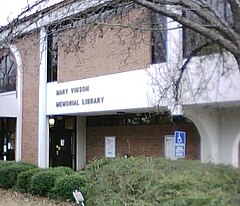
42,182
10,172
64,186
24,179
133,181
155,181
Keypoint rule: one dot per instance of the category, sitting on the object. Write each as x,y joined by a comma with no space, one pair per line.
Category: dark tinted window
159,38
8,72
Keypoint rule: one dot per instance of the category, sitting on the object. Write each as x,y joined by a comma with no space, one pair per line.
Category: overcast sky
10,9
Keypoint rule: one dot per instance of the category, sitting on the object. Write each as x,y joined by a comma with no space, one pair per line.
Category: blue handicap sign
180,142
180,137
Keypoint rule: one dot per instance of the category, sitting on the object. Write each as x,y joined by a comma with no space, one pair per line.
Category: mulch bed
13,198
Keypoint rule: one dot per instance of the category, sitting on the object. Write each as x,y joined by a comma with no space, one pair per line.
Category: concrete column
236,152
207,122
81,142
229,136
43,142
19,89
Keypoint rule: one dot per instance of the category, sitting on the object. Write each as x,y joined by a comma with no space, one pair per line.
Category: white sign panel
125,90
110,146
169,147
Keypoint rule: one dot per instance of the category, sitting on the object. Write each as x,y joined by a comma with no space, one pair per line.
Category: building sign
110,146
79,101
180,143
105,93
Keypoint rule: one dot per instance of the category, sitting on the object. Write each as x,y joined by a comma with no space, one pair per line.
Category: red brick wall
29,50
104,51
138,140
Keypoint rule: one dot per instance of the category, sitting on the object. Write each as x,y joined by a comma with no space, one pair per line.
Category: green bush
65,170
5,163
10,172
155,181
24,179
65,185
42,182
97,164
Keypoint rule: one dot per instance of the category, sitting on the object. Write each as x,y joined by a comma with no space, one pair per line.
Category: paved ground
12,198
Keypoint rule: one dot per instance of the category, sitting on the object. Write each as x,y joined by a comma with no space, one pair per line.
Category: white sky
10,9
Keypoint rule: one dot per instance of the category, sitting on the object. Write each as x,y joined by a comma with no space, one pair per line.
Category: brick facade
138,140
29,50
104,50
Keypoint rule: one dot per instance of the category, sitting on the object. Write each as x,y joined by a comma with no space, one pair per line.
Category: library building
73,88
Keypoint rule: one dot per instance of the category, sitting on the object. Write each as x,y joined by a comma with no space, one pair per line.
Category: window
192,40
52,56
134,119
8,72
159,38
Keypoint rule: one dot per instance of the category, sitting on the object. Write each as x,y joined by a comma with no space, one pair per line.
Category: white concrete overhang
8,102
48,16
140,90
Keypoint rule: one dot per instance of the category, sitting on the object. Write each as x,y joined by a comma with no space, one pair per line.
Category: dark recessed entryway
63,142
7,138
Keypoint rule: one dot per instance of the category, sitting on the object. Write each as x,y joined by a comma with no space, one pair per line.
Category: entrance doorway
63,142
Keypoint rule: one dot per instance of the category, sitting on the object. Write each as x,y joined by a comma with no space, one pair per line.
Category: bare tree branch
218,30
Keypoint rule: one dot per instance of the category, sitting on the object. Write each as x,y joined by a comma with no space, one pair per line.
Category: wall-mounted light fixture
177,110
51,121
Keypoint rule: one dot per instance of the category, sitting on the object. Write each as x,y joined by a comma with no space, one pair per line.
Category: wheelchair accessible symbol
180,137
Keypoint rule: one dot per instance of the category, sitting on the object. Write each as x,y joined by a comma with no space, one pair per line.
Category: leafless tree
215,22
219,19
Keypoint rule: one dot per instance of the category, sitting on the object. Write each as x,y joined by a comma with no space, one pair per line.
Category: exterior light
177,110
51,121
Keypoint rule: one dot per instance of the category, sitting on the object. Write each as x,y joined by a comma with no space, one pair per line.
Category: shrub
24,179
155,181
10,172
97,164
65,170
42,182
65,185
5,163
